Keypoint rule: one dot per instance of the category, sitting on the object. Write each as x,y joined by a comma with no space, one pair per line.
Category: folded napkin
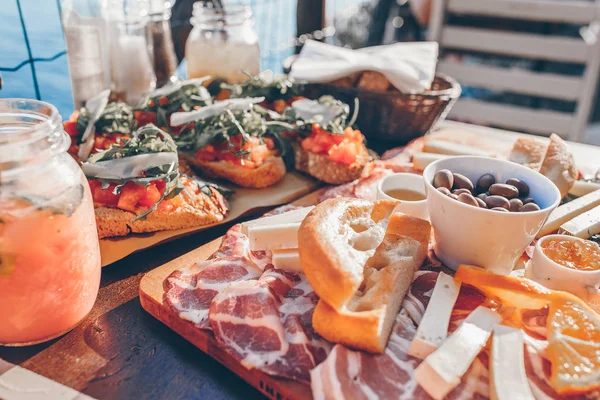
410,67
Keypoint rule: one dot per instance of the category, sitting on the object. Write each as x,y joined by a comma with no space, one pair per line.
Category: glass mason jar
222,43
49,251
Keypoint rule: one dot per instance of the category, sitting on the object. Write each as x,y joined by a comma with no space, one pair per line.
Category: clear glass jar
163,50
132,71
222,43
49,250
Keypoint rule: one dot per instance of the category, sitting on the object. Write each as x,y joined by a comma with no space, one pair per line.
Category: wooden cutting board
151,298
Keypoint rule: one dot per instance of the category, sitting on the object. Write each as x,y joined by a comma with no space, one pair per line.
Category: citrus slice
573,327
574,347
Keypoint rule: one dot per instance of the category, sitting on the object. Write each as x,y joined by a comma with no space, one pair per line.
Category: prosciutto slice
266,324
190,291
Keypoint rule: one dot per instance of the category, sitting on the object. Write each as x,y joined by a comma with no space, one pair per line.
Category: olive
468,199
443,178
462,182
497,201
515,205
480,202
484,183
504,190
455,197
482,196
530,207
528,200
499,209
521,186
459,191
444,190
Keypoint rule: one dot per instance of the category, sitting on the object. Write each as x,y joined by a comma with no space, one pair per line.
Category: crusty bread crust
559,165
198,210
365,322
332,266
528,152
324,169
269,173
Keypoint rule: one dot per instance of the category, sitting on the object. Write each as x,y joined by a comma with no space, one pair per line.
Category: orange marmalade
340,148
256,152
582,255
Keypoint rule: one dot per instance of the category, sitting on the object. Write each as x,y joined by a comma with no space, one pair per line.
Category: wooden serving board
151,298
243,201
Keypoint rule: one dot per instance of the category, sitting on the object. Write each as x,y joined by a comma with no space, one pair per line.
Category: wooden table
120,352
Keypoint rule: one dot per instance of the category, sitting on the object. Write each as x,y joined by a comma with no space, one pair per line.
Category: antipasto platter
360,295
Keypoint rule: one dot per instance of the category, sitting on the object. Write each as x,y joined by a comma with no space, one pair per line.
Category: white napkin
410,67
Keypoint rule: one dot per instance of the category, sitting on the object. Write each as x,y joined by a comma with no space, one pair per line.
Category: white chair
584,50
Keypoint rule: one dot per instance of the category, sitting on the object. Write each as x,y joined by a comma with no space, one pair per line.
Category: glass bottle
222,43
85,28
132,74
49,251
163,50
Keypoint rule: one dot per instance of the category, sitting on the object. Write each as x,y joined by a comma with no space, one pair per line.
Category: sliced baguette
269,173
324,169
366,321
559,165
197,210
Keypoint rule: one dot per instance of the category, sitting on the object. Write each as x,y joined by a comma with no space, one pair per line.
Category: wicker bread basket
394,117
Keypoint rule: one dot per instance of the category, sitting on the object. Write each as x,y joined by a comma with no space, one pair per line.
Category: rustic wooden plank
515,80
151,299
516,44
574,11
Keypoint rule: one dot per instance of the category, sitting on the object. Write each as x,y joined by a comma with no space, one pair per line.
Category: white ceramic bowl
490,239
403,180
549,273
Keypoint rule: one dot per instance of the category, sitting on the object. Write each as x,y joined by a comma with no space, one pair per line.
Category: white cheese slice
433,328
421,160
583,226
508,380
218,107
128,167
172,87
273,237
287,259
443,369
287,217
568,211
453,149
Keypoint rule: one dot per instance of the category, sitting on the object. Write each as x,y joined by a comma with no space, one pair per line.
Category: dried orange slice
574,346
573,328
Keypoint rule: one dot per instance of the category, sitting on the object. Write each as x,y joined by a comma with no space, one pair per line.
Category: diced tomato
279,106
145,117
344,153
259,154
104,197
104,141
71,128
222,95
269,142
151,196
163,101
131,194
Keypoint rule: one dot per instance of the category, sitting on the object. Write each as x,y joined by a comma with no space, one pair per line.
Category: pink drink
49,271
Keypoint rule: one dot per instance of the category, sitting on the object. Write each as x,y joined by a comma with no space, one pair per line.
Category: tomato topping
71,128
222,95
279,106
133,196
74,115
145,117
151,196
104,197
163,101
340,148
104,141
258,152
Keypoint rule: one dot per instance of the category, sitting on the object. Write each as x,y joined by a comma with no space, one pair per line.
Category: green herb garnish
148,139
280,87
335,126
117,117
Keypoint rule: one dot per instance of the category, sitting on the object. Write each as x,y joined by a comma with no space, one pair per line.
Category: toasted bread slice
366,321
269,173
528,152
197,210
324,169
559,165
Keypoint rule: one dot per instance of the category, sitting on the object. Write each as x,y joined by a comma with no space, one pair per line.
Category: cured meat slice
348,374
364,187
191,290
266,324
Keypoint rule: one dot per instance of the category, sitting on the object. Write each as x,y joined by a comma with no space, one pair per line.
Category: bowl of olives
485,211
